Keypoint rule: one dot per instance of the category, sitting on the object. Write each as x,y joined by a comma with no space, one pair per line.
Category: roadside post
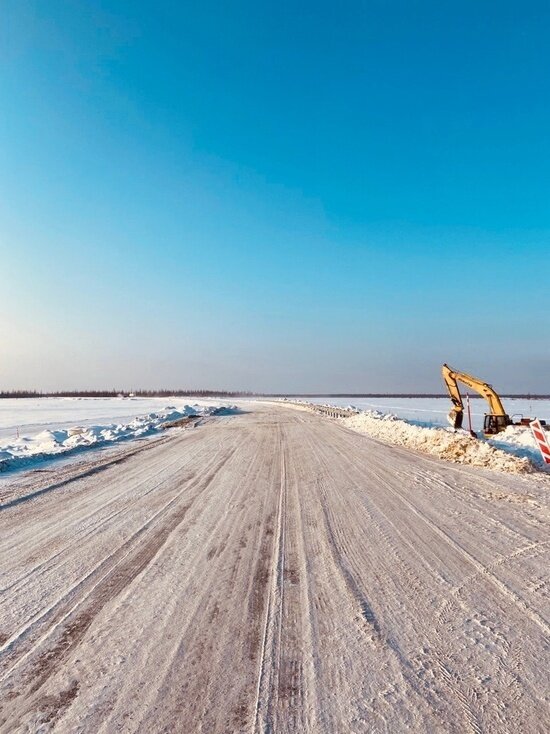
542,441
472,432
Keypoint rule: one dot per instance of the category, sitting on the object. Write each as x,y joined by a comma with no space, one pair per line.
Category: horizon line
163,392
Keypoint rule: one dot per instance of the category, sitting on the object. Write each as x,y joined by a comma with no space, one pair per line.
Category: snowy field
29,416
33,429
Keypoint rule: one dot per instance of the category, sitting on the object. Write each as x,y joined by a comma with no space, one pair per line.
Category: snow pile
50,443
520,441
445,444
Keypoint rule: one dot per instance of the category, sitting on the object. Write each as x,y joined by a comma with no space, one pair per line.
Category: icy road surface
273,572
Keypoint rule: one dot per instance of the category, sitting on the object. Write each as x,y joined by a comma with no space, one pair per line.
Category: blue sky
274,196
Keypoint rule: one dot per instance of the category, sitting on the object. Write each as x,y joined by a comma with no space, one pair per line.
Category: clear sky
289,196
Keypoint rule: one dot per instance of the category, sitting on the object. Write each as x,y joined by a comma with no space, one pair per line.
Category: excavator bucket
455,418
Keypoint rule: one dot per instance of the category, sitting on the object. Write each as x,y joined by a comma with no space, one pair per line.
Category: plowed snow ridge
47,444
457,447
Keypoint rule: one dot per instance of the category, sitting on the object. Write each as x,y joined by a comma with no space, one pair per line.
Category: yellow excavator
496,420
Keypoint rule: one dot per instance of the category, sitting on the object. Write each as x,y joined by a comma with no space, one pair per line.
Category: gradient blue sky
274,196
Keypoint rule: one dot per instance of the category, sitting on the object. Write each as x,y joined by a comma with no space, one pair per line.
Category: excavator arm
456,413
497,414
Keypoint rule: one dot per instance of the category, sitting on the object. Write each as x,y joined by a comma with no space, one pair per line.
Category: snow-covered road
273,571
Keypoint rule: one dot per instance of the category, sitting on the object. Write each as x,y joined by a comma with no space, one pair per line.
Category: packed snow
513,451
29,446
275,573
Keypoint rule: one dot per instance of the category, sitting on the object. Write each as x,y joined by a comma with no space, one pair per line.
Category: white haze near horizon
141,356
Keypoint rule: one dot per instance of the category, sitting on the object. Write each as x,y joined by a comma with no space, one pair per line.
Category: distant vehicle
496,420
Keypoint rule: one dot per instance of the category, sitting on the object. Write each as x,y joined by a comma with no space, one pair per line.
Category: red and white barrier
542,441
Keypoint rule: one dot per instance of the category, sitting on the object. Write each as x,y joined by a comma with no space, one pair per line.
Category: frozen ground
32,430
274,571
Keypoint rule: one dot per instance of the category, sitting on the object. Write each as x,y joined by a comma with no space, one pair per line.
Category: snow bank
445,444
51,443
520,441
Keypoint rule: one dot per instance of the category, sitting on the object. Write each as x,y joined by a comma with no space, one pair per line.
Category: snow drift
52,443
460,448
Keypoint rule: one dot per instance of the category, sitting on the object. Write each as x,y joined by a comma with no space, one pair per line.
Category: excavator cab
495,424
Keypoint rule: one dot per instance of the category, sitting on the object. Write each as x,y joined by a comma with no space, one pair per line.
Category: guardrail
332,411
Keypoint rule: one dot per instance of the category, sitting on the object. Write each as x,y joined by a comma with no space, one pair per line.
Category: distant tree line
522,396
122,393
164,393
